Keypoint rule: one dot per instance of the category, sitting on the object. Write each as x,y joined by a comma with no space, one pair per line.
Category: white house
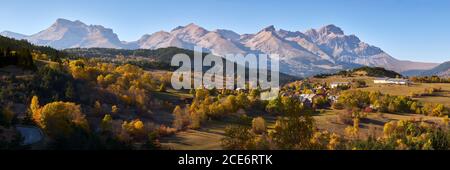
337,84
333,98
380,80
306,97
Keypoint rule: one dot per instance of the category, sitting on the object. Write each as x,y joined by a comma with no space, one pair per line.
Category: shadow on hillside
373,121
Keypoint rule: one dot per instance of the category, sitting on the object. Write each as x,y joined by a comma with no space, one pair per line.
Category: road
30,134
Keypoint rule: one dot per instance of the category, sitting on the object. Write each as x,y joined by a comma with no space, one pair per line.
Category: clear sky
416,30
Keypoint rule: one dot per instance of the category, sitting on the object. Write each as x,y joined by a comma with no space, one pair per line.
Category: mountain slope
14,35
322,50
442,70
350,49
218,42
71,34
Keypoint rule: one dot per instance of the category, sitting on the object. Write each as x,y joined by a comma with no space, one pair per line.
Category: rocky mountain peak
328,29
67,23
269,28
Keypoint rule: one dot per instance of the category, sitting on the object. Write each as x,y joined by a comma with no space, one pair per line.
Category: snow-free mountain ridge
322,50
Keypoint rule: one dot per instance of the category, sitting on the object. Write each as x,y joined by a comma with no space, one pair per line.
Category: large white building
386,80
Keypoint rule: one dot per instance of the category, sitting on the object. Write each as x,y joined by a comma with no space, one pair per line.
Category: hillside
15,44
442,70
159,55
364,71
21,53
148,58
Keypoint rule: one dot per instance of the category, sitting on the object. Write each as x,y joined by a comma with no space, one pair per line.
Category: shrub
163,130
238,138
326,141
6,115
360,83
259,125
293,132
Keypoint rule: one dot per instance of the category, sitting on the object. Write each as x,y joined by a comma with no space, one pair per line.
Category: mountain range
323,50
442,70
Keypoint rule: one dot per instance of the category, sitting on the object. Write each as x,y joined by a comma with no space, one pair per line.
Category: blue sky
416,30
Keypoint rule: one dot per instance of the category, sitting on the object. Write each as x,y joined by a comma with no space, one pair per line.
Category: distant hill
442,70
159,55
20,52
368,71
378,72
14,44
160,58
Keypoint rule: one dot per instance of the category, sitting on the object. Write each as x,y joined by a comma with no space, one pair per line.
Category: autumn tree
438,110
230,104
106,124
274,106
324,140
238,138
412,135
136,129
181,119
6,115
35,109
201,94
391,107
293,132
97,108
60,119
242,100
69,91
192,91
114,110
413,107
259,125
320,102
353,131
254,93
195,120
360,83
100,79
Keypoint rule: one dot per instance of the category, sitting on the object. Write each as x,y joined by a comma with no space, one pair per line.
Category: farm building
391,81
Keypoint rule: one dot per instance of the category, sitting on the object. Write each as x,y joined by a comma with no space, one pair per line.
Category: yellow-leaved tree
61,118
35,109
181,119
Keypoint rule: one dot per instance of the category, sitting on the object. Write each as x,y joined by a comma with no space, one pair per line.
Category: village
323,94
